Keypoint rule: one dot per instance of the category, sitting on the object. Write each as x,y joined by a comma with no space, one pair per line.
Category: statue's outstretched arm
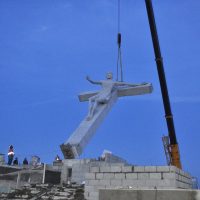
129,84
93,82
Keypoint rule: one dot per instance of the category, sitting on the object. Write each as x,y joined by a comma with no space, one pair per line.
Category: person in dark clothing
10,154
25,161
15,162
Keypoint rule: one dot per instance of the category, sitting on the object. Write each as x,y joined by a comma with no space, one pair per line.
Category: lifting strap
119,56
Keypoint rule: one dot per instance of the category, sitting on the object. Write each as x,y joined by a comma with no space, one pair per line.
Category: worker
25,161
10,154
15,162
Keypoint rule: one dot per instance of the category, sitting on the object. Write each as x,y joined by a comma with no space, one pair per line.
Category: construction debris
46,191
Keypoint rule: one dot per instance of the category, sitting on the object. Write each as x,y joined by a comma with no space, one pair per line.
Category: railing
195,184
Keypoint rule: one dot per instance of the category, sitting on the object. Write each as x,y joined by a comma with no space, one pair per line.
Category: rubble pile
46,192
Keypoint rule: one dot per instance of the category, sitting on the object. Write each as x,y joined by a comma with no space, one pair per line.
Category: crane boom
175,155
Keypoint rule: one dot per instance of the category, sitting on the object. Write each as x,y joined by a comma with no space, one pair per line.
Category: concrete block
115,169
90,176
116,182
99,175
108,175
134,183
181,172
85,167
95,164
94,169
152,183
131,176
70,162
76,167
155,176
186,174
101,186
105,169
86,182
104,182
127,168
171,176
89,188
176,170
143,176
82,161
119,176
168,182
189,181
86,195
111,187
150,169
184,179
93,182
163,169
182,185
139,169
179,177
118,164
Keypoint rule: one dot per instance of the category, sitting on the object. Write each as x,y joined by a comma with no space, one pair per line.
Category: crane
173,147
75,145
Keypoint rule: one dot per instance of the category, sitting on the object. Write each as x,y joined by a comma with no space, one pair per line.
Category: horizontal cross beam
121,91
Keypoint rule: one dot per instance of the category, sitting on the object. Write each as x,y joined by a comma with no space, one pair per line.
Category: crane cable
119,39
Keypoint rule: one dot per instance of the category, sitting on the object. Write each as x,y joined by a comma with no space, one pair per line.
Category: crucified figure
100,103
104,95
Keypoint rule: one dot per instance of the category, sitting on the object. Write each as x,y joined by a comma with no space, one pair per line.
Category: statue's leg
91,105
96,103
93,108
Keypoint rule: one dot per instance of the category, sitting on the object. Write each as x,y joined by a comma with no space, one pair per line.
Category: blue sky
48,47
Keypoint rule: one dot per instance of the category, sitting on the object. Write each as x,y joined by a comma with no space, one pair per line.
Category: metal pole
43,178
18,179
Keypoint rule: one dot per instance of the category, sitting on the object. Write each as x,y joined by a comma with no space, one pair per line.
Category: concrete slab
121,194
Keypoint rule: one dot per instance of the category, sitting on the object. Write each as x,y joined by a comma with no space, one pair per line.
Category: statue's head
109,75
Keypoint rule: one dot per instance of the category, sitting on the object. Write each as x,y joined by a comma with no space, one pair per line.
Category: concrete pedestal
134,177
121,194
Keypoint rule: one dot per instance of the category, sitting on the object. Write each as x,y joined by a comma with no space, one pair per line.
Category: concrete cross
100,102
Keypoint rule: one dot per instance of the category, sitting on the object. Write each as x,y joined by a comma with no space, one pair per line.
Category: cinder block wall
146,177
80,167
